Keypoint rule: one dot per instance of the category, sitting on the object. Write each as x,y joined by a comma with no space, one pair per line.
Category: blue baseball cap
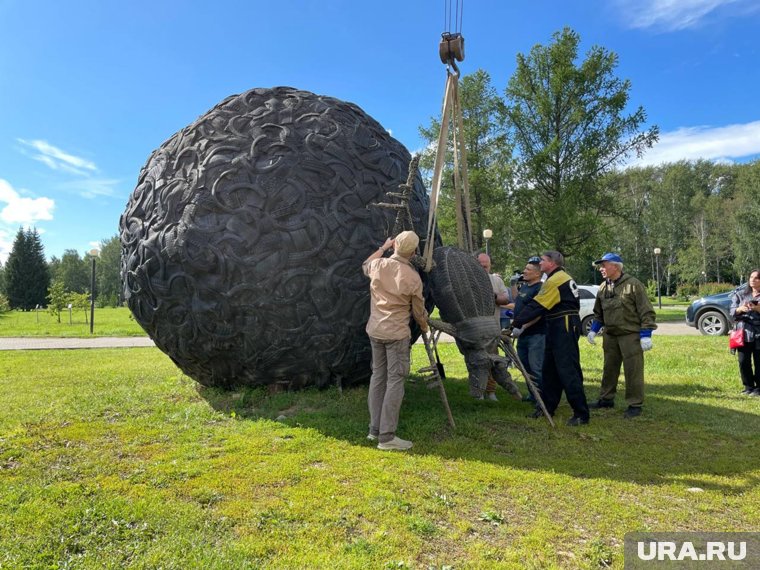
609,257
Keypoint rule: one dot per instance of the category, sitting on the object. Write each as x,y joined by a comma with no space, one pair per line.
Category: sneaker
395,444
602,404
755,392
371,437
536,414
492,396
747,391
632,412
576,421
529,398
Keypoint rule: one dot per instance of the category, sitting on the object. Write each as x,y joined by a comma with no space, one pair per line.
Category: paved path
44,343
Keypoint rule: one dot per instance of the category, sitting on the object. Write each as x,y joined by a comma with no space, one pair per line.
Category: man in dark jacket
530,345
558,302
623,309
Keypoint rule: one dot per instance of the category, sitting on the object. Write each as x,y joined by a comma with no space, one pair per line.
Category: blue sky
88,88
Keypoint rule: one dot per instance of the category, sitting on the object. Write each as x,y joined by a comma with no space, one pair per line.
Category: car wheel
586,324
712,323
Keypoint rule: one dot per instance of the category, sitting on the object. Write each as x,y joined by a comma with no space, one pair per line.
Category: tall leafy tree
570,127
108,272
27,276
747,220
73,272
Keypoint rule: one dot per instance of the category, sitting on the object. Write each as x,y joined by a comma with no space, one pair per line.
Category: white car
587,294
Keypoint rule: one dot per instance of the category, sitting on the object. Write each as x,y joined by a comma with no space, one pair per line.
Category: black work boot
602,404
576,421
632,412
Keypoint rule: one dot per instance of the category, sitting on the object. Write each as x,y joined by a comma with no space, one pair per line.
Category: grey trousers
625,350
390,367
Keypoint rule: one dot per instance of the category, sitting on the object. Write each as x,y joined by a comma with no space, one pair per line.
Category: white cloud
20,210
6,245
721,144
58,159
674,15
91,187
82,183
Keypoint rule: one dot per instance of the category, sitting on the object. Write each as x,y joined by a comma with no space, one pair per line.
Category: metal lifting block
451,47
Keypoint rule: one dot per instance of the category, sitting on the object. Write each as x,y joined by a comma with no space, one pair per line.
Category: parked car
710,314
587,294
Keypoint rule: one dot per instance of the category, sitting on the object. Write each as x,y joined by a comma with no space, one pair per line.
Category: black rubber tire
712,323
586,325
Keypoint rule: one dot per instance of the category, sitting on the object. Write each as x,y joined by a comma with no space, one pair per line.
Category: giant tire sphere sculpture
243,241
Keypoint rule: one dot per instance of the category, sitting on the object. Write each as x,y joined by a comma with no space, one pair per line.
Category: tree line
27,280
548,170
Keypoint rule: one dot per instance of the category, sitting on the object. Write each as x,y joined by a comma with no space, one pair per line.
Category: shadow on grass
674,441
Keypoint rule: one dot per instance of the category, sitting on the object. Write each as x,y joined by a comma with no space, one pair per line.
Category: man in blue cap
623,309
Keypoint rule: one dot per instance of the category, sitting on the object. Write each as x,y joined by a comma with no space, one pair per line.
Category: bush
652,290
714,288
111,300
4,304
685,291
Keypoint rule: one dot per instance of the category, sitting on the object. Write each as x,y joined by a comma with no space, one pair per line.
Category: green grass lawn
114,459
109,321
671,314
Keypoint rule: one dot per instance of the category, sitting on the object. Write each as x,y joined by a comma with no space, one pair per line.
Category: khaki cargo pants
625,350
390,367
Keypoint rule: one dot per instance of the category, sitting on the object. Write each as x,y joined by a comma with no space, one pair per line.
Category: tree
57,299
26,272
108,272
80,301
746,251
2,279
570,128
73,271
489,158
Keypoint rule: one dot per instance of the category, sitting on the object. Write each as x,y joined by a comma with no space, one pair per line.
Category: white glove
590,338
646,343
517,332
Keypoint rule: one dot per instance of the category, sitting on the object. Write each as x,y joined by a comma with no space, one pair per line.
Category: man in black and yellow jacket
559,303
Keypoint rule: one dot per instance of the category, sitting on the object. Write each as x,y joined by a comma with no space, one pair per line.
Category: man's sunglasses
534,260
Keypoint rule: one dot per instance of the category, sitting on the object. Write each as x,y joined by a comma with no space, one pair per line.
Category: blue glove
645,338
596,326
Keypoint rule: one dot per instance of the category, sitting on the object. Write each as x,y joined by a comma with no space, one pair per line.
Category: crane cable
451,49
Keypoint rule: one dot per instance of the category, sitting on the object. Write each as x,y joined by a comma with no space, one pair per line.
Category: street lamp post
657,252
487,234
94,256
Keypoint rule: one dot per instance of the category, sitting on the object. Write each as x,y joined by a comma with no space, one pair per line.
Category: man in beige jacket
396,294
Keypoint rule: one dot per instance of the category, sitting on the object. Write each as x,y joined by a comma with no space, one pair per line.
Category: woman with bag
745,310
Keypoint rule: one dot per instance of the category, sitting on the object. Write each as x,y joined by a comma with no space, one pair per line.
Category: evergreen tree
27,276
